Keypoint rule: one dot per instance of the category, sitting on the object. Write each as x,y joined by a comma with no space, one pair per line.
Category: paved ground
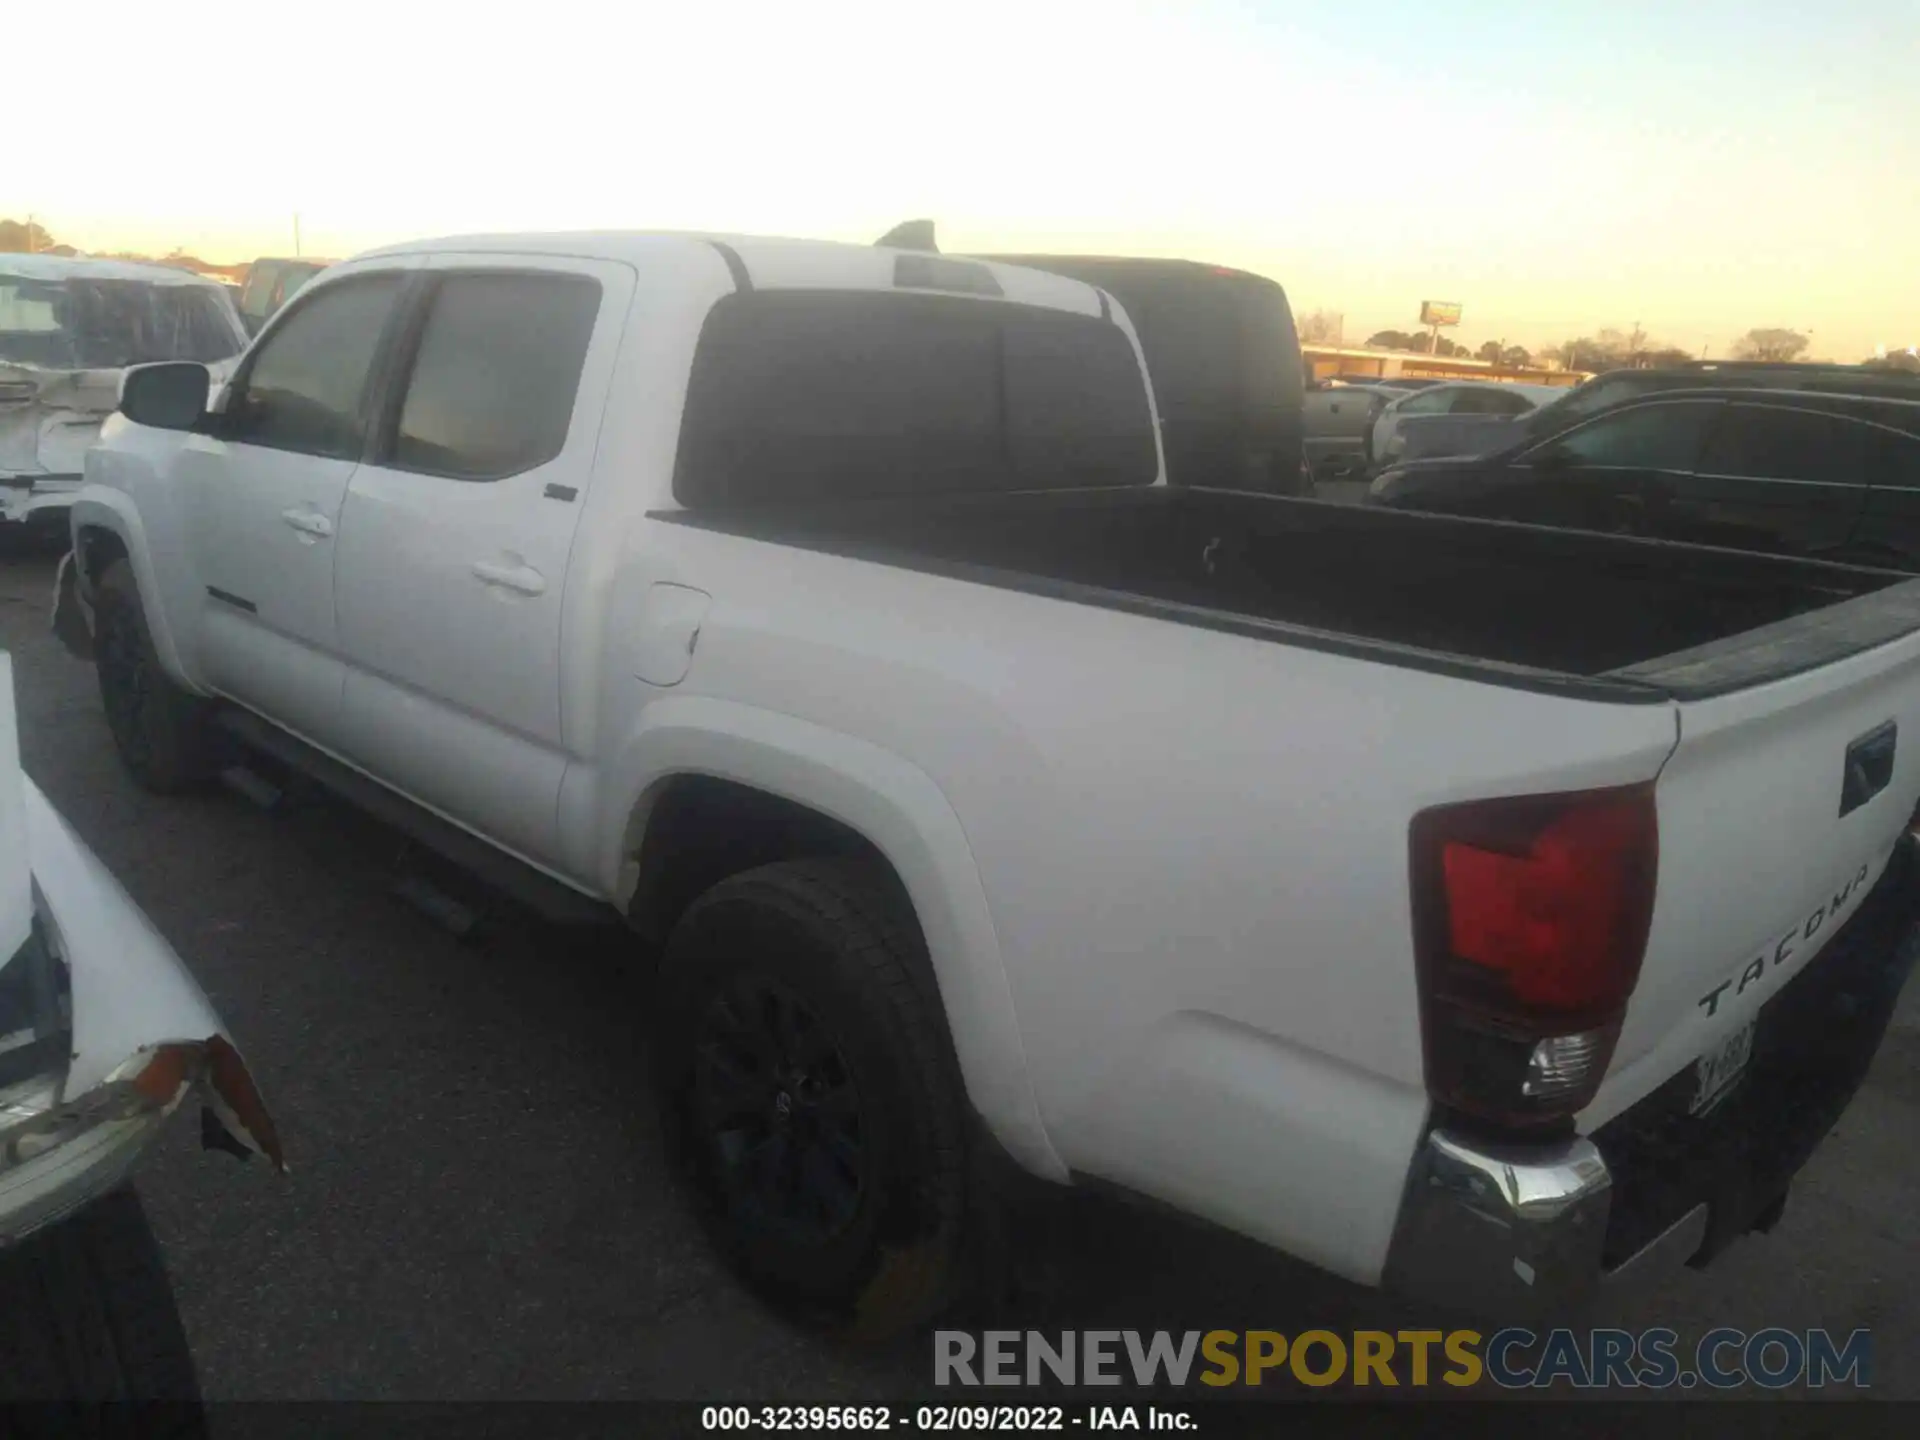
479,1208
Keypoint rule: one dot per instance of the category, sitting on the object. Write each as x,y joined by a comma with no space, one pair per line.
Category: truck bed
1519,602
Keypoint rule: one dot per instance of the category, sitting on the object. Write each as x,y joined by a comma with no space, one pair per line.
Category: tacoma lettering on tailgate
1786,947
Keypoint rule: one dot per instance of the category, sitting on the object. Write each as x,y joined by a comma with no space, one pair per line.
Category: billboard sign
1439,312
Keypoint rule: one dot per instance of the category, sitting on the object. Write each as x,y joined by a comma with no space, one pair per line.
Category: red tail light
1530,923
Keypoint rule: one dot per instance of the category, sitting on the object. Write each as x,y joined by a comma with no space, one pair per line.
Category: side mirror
171,395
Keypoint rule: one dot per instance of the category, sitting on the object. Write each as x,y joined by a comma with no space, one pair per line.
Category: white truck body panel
1172,932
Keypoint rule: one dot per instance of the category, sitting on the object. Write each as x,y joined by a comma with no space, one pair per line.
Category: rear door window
1489,401
493,381
1765,442
835,394
1430,402
1666,436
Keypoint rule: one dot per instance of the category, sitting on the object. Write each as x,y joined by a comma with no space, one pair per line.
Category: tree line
1609,349
1614,349
18,237
21,237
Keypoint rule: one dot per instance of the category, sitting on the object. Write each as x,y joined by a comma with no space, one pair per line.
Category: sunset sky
1699,167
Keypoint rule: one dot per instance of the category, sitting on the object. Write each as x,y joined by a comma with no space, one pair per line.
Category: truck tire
87,1319
810,1097
163,733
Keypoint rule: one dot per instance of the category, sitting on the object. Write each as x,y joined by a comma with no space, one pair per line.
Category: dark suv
1614,387
271,282
1224,360
1834,477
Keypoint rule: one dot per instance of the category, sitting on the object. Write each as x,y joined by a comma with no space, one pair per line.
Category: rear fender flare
900,810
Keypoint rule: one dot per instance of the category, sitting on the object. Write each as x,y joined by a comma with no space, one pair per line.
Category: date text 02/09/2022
936,1419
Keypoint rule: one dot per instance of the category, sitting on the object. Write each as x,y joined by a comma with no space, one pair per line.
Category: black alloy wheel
778,1111
810,1097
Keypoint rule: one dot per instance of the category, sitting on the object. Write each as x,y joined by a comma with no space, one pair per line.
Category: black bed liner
1601,616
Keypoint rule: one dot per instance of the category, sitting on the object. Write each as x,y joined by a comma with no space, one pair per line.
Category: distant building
1326,361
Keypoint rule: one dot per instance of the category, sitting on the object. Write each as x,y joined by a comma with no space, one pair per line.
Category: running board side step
539,892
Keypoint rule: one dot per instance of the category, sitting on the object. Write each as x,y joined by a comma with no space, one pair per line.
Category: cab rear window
807,395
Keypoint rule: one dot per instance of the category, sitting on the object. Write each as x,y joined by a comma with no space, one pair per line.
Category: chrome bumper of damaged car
55,1158
144,1041
36,499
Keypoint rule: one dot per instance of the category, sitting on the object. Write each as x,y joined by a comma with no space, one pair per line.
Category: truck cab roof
770,263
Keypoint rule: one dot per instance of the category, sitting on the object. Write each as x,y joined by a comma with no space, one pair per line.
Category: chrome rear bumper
1504,1230
1533,1231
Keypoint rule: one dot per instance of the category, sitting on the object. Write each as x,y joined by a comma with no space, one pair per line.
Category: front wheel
810,1096
162,732
87,1317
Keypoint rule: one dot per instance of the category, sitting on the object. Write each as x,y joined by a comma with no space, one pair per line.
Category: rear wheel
810,1096
87,1317
162,732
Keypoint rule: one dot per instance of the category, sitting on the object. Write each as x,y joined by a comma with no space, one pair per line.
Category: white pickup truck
1465,907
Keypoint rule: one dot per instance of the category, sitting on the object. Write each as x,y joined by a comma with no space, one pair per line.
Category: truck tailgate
1778,810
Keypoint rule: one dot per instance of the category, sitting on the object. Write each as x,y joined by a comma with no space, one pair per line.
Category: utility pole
296,234
30,239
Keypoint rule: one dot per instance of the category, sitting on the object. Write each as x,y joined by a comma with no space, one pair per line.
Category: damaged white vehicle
69,328
103,1035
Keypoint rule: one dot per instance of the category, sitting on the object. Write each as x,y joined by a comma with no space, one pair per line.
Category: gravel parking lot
479,1207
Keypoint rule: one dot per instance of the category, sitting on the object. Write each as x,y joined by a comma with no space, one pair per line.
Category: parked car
1337,426
1826,476
1426,437
270,283
1386,887
103,1035
1392,382
69,327
1224,360
1453,398
1484,435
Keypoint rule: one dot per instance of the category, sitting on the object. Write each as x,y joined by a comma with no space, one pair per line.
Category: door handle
308,522
522,579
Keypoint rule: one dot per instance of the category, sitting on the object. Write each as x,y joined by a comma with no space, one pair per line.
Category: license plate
1719,1070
